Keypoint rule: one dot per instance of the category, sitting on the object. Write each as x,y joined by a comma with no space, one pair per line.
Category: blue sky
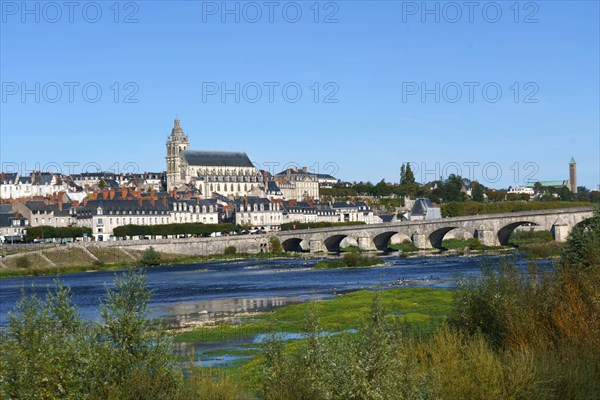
388,76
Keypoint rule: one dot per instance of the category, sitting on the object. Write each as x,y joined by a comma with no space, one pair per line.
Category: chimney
59,205
111,194
152,201
104,194
139,200
85,200
164,201
123,193
295,168
197,199
304,169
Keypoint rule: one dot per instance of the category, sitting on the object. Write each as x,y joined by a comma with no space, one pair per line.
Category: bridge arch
292,245
436,237
583,223
505,232
332,243
382,240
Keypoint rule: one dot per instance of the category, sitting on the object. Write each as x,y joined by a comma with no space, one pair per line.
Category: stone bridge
490,229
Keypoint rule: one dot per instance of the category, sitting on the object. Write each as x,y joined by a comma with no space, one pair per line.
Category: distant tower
176,143
573,175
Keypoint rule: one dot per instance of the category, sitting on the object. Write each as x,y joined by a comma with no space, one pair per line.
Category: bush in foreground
49,352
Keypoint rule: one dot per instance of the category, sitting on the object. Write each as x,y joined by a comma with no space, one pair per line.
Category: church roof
548,183
572,160
216,158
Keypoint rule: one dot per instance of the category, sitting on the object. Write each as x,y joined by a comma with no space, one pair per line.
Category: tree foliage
61,232
172,229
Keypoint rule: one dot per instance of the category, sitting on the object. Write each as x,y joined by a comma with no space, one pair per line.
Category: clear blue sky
375,56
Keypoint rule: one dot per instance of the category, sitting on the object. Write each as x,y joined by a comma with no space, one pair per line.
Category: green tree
402,174
451,189
478,192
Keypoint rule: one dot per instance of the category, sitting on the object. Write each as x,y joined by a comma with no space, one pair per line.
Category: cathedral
224,173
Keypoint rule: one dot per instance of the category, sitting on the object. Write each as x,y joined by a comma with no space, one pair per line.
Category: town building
12,225
298,184
258,213
423,209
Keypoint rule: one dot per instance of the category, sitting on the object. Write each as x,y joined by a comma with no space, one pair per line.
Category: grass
417,305
69,257
406,247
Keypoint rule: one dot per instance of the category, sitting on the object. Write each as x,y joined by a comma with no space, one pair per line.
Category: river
191,293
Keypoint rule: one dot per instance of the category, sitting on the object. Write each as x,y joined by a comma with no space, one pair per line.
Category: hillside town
216,187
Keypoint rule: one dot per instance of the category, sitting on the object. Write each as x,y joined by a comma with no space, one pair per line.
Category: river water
192,293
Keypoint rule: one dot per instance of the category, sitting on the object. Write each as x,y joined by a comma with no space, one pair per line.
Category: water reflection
216,311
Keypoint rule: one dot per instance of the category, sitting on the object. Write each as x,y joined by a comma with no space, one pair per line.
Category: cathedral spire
177,131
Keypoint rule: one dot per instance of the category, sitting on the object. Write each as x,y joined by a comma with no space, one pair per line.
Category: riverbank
68,267
53,261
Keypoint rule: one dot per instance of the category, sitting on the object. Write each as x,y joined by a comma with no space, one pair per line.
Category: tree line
173,229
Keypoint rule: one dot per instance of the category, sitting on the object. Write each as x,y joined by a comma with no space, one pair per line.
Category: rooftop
217,158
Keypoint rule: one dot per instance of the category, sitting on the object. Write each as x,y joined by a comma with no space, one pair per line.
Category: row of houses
16,186
292,183
103,211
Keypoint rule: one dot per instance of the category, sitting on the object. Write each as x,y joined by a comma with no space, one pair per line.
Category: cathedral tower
573,176
176,143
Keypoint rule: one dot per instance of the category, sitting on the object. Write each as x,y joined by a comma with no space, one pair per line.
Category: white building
258,213
194,211
355,212
522,190
298,184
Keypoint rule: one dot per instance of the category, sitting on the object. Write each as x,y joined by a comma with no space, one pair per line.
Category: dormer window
99,211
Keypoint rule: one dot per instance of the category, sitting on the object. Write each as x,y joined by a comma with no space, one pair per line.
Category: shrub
150,257
275,245
229,250
23,262
460,209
